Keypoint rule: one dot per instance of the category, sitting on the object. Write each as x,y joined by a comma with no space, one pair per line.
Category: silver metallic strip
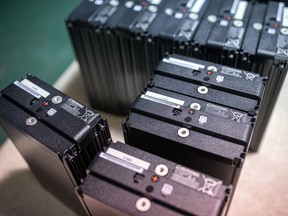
27,89
281,6
183,63
197,6
121,162
234,6
241,10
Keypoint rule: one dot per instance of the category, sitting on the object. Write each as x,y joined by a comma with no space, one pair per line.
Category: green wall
34,40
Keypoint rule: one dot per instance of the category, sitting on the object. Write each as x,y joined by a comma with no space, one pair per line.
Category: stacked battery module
68,148
118,44
57,136
199,115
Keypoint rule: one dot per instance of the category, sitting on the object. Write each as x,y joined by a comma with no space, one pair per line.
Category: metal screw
195,106
153,8
169,11
193,16
57,99
114,3
212,68
212,18
202,89
129,4
257,26
284,31
31,121
238,23
161,170
183,132
143,204
98,2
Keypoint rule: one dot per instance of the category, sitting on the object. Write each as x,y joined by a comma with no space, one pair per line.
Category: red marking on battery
155,178
191,111
229,17
184,10
276,25
209,72
46,103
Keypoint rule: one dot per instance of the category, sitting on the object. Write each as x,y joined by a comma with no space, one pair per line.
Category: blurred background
34,40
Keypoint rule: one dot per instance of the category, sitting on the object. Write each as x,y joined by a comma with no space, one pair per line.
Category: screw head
202,90
31,121
143,204
195,106
57,99
212,18
212,68
183,132
257,26
161,170
284,31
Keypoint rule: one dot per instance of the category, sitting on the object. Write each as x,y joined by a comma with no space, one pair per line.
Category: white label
35,88
178,15
209,186
224,23
28,90
285,18
137,8
219,79
197,6
169,101
271,31
202,119
183,63
241,10
121,162
156,2
234,6
167,189
281,6
130,159
51,112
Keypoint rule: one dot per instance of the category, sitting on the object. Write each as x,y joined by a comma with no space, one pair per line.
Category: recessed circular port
161,170
202,89
183,132
143,204
149,188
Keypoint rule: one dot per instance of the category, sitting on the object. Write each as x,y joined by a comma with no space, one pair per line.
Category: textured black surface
61,143
110,178
34,40
214,156
216,126
217,33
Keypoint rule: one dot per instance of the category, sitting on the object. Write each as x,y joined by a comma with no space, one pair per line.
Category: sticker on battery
32,88
162,99
78,110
